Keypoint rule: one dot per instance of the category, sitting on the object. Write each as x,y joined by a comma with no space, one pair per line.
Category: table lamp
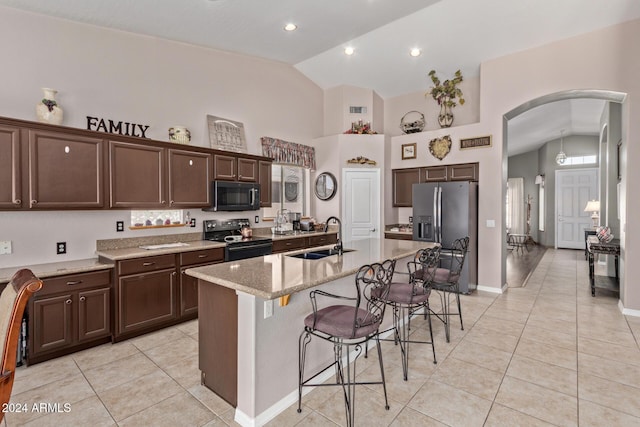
593,206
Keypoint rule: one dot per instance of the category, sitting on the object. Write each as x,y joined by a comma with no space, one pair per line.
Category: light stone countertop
57,268
136,252
277,275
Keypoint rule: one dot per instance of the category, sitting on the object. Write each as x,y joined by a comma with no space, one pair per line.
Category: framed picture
409,151
477,142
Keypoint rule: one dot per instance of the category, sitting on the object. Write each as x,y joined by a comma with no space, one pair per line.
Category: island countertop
277,275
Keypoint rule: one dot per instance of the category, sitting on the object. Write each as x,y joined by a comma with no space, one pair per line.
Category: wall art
225,134
478,141
409,151
440,147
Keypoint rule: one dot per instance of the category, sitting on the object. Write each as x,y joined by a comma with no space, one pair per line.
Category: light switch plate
491,223
5,247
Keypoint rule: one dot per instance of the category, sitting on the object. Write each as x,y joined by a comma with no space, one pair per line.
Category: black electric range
228,231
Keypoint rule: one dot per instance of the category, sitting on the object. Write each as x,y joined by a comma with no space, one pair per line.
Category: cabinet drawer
141,265
202,257
75,282
289,244
325,239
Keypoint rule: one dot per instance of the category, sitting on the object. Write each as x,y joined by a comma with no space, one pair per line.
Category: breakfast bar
248,351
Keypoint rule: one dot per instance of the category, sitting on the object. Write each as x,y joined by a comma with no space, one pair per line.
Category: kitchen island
248,351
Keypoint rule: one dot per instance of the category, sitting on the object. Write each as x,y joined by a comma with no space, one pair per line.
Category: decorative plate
440,147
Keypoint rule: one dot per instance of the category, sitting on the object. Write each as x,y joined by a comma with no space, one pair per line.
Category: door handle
373,229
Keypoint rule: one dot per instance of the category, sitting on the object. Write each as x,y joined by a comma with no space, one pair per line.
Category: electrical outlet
268,308
5,247
61,248
119,225
192,222
256,219
410,220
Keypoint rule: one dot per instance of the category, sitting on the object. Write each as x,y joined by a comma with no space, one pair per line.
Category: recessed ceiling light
415,52
290,27
349,50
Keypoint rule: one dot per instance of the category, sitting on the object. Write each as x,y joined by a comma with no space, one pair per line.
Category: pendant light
561,157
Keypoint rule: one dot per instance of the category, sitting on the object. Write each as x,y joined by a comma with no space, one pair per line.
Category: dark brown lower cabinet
146,300
70,313
188,294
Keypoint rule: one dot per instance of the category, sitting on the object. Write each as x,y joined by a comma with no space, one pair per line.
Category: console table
595,246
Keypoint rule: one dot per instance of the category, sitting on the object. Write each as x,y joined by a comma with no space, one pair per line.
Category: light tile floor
546,354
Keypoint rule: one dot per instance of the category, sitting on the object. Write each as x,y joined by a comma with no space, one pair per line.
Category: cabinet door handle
171,202
164,202
75,282
202,256
83,298
68,301
34,202
17,202
147,264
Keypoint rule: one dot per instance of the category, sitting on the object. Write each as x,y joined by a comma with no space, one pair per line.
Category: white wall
146,80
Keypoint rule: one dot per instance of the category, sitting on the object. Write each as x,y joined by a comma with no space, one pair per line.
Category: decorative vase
445,118
179,134
48,110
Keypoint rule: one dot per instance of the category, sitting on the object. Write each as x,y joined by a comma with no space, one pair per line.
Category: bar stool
445,281
347,328
406,299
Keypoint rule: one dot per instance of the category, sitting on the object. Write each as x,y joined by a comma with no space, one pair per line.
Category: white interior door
361,202
574,188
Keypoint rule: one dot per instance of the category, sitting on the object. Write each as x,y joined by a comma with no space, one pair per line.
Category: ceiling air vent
357,110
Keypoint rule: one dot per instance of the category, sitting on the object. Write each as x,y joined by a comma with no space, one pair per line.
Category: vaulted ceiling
452,34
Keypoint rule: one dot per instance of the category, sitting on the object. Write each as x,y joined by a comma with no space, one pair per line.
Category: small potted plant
447,94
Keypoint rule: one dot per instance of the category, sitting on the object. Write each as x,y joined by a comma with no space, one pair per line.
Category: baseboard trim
492,289
628,311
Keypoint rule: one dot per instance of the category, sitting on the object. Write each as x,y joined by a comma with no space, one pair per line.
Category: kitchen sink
319,254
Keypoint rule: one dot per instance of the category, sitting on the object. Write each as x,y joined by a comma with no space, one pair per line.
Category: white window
157,217
580,160
289,190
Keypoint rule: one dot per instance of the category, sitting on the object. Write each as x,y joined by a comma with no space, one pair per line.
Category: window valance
289,153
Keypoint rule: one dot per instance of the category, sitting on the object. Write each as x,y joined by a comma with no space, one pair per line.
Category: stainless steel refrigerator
444,212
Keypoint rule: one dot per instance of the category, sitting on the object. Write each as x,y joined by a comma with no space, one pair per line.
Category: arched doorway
604,95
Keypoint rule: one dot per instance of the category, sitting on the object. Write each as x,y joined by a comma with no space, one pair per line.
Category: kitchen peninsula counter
248,343
277,275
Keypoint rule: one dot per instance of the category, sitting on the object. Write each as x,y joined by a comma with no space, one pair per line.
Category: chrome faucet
338,245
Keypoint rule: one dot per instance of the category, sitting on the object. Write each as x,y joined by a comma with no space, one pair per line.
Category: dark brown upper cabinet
247,170
433,173
264,179
136,176
189,179
65,170
403,180
463,172
224,167
10,168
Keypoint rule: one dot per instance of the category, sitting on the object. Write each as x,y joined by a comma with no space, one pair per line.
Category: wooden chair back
13,301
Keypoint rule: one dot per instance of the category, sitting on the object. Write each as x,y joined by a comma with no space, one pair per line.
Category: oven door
237,252
235,196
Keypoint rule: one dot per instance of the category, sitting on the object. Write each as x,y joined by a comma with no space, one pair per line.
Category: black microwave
234,196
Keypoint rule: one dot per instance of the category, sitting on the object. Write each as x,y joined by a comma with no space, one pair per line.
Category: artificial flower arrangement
448,91
361,128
